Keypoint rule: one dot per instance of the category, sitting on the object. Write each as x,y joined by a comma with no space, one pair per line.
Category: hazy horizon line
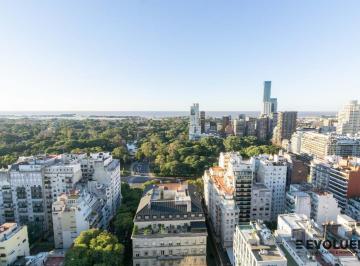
18,111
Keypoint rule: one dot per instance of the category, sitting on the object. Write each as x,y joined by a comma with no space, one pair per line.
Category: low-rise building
255,245
293,230
14,243
169,227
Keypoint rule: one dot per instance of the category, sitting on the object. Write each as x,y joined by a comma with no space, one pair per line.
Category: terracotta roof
219,182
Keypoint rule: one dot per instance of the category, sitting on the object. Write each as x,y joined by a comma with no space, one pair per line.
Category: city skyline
163,56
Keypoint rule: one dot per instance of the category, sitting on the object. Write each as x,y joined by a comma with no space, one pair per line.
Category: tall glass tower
267,91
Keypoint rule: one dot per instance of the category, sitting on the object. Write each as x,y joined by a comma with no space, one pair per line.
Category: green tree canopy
95,247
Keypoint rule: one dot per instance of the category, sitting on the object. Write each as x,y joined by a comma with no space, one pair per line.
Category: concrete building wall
14,245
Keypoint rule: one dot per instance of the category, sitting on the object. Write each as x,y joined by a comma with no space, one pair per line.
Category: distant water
146,114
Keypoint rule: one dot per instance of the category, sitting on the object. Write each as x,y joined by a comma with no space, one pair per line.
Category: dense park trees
26,137
163,142
95,247
180,157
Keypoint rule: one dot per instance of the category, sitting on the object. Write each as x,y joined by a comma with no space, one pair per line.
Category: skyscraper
267,91
269,104
195,125
349,119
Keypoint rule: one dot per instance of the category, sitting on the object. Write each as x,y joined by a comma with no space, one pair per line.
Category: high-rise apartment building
272,171
26,179
169,227
227,193
219,200
349,119
269,104
255,245
106,176
243,175
321,145
195,122
341,178
30,186
14,243
285,127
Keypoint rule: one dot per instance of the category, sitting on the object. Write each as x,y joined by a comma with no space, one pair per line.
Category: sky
166,54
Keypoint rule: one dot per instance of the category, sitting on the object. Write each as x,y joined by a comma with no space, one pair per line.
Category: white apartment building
298,202
101,174
14,243
62,176
28,202
35,182
240,176
295,142
106,176
169,227
73,213
349,119
321,145
255,245
219,200
228,195
260,202
195,122
30,186
324,207
272,171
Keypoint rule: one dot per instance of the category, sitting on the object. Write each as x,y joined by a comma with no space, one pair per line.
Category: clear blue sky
166,54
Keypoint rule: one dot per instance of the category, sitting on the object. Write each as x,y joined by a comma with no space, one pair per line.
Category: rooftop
158,230
170,201
7,230
261,241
